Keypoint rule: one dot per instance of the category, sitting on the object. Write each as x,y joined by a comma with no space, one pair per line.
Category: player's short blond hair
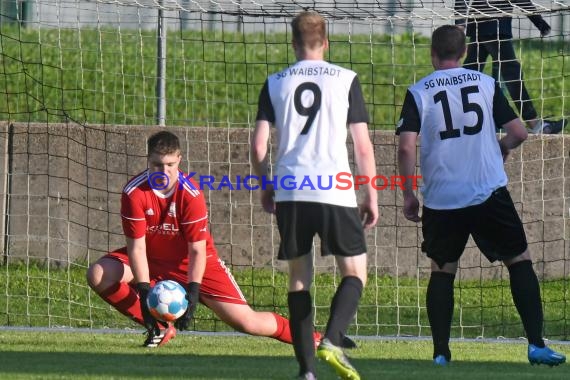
163,143
448,42
309,30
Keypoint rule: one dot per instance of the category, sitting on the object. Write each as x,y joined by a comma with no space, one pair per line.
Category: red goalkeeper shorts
217,284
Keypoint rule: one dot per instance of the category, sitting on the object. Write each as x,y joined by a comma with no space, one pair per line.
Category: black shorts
494,224
339,228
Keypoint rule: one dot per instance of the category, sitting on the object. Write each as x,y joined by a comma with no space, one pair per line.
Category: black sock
439,302
301,323
343,308
526,296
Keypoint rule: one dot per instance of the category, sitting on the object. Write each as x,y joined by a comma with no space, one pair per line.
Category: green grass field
82,355
213,78
35,296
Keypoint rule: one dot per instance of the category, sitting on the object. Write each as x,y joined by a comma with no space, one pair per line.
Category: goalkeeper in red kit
165,222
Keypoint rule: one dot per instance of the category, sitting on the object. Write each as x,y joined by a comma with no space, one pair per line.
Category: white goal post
85,82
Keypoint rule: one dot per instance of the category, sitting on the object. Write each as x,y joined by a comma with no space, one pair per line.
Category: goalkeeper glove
192,295
540,24
149,322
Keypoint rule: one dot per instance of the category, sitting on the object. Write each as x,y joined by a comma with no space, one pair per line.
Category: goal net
84,83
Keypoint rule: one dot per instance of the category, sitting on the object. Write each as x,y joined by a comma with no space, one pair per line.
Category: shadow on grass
153,365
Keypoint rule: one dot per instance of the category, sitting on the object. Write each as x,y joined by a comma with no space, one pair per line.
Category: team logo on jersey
149,212
172,210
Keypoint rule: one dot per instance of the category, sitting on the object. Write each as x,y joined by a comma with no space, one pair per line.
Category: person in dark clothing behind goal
456,111
492,35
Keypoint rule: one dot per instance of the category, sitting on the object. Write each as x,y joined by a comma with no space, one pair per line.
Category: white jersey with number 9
310,105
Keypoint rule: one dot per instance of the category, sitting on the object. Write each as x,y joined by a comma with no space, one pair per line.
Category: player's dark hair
309,30
448,42
163,143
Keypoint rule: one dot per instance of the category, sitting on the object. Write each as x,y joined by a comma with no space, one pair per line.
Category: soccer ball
167,301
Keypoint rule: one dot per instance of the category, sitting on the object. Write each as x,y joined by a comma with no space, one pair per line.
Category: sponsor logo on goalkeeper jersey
163,229
340,181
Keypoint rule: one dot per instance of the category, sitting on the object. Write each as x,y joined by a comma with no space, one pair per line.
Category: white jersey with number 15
456,112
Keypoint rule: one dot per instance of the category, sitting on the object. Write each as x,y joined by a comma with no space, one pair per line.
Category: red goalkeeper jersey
168,222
